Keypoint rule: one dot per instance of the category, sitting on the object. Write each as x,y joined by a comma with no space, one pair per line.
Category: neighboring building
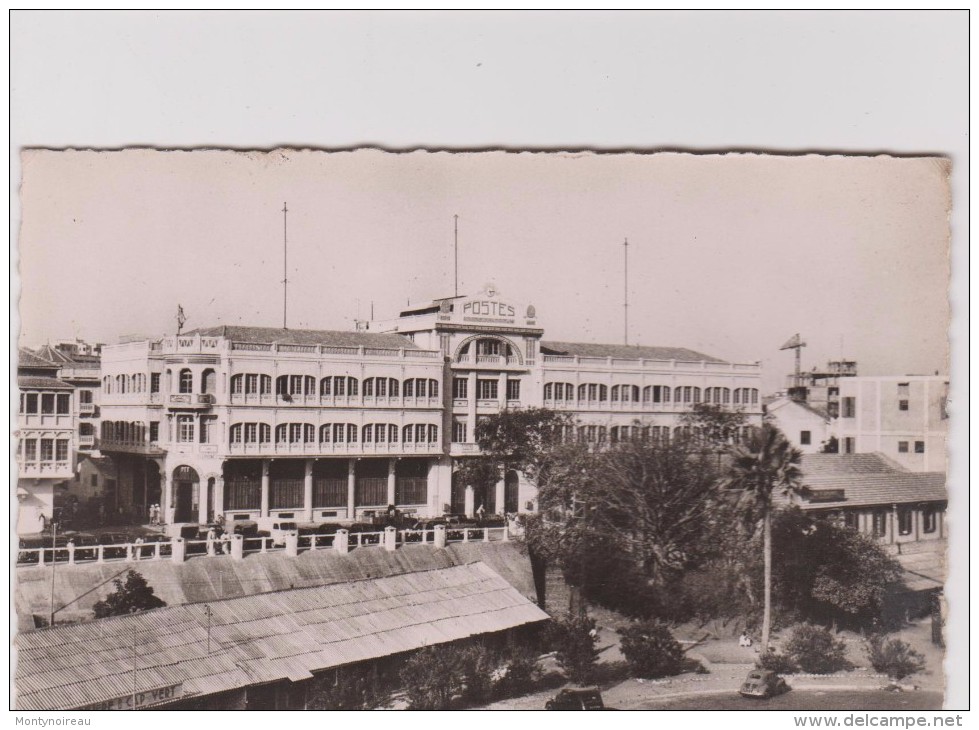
904,417
260,423
805,426
821,388
266,651
79,367
45,431
878,497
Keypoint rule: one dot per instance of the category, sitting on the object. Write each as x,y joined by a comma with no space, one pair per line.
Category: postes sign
146,698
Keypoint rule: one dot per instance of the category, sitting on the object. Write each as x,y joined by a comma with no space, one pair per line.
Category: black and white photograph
327,426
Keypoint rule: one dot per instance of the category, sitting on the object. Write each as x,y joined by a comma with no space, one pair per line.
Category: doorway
186,487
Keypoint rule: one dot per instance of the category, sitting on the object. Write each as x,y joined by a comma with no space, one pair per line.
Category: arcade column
392,480
265,488
308,491
351,488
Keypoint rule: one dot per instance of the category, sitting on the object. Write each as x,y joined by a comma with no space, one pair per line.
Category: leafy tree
714,424
518,439
816,650
573,643
894,657
830,446
630,517
651,650
777,663
765,464
519,671
478,667
133,595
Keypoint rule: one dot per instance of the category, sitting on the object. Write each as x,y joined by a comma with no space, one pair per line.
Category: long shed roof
336,338
262,638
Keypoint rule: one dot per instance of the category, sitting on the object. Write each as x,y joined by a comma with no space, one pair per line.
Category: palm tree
766,463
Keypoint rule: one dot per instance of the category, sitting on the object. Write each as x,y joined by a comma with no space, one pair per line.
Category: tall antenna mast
285,260
625,305
456,217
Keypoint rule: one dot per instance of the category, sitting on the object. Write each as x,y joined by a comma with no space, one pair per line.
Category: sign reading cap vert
487,307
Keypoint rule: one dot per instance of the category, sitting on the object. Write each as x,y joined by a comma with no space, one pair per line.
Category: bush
894,657
816,650
478,668
432,677
651,650
519,672
349,688
776,663
571,640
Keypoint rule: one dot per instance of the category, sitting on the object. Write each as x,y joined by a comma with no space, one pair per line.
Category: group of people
155,515
212,540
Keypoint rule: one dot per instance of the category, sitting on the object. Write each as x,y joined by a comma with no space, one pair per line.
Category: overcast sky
729,255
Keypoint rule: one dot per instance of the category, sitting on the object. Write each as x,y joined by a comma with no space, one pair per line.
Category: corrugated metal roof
335,338
587,349
36,381
28,359
263,638
818,465
865,490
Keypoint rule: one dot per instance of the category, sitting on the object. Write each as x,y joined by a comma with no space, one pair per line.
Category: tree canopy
135,594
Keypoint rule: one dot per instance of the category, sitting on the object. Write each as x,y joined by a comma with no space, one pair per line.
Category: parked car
118,541
584,698
280,530
763,683
368,533
151,540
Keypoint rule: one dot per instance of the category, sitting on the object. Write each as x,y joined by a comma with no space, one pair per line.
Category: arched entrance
186,494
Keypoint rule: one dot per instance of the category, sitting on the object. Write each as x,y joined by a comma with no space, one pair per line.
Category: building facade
804,425
263,424
45,431
903,417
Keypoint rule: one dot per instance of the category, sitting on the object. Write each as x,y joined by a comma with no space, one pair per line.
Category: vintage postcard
306,429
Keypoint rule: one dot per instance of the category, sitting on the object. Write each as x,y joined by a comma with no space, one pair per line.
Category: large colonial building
263,424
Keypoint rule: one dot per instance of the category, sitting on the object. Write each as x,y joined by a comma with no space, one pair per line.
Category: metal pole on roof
208,612
456,217
134,663
54,562
285,259
625,306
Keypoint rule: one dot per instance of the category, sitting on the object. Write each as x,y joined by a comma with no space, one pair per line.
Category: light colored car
763,683
280,530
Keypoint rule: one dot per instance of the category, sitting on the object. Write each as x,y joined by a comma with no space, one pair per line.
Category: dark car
115,543
367,533
763,683
149,544
585,698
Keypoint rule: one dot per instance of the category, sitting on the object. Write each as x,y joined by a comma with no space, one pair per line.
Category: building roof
36,381
335,338
28,359
840,465
779,403
62,358
586,349
883,489
262,638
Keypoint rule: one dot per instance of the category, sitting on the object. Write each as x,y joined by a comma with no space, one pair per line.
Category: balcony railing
331,449
648,364
86,442
46,469
86,409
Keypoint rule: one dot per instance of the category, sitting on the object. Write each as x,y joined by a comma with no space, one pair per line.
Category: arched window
696,395
186,381
367,433
235,433
281,433
433,434
309,433
393,387
613,435
408,434
309,385
382,387
393,430
326,433
421,390
433,389
548,391
368,387
351,432
266,384
107,384
339,433
754,396
602,393
615,392
583,392
726,396
237,384
209,381
326,386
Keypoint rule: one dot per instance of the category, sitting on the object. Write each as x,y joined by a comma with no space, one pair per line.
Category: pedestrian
226,543
149,513
138,547
481,513
744,639
211,537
